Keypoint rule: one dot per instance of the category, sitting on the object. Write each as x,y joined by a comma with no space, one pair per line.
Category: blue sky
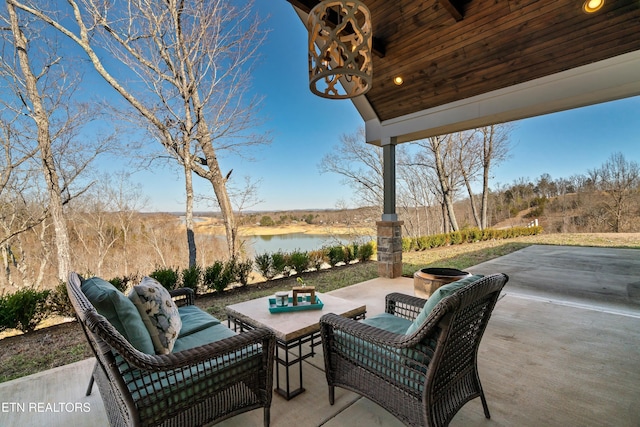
305,127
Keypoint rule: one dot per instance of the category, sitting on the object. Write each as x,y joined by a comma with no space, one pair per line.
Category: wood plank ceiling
451,50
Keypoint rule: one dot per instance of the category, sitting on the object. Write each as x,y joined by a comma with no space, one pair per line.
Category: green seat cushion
388,322
194,319
155,392
435,298
404,365
204,336
119,311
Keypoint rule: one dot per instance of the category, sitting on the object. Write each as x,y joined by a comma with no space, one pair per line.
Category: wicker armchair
423,378
201,385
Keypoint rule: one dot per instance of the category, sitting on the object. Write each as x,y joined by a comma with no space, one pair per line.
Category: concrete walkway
557,352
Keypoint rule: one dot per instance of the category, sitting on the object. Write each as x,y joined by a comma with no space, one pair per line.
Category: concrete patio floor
561,349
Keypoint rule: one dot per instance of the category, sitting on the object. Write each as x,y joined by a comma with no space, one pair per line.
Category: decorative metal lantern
340,49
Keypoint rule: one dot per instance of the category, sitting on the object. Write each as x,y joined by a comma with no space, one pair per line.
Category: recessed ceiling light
398,80
591,6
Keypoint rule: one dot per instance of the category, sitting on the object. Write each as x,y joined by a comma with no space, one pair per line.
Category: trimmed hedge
281,263
469,235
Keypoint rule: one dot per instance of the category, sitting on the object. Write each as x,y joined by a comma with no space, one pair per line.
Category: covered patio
443,66
549,356
561,349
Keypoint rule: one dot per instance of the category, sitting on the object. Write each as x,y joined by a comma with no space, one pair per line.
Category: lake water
292,242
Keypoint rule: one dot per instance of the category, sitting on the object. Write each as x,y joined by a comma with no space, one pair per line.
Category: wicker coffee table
292,330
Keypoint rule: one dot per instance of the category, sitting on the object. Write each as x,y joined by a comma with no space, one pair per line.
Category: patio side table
292,330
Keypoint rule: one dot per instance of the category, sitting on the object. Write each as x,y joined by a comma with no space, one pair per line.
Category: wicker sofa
418,360
211,374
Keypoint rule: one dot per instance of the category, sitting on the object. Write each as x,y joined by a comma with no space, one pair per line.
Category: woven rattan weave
423,378
198,386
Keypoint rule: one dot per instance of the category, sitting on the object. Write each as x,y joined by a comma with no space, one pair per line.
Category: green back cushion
119,311
436,297
388,322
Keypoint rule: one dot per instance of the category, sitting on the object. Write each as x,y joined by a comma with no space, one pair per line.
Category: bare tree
35,108
23,206
439,154
126,202
21,210
16,177
192,61
416,196
103,218
619,179
361,166
479,150
495,149
43,98
468,151
441,166
93,226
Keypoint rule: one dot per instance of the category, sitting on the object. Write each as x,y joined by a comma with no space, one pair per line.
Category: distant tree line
604,199
436,178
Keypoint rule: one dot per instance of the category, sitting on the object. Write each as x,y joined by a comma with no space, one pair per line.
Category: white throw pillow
159,313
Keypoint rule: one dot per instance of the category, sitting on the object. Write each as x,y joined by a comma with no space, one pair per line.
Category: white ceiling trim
603,81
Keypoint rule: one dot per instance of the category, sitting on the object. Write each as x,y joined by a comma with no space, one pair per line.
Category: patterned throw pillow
159,313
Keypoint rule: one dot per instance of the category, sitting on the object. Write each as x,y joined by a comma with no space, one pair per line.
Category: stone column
390,248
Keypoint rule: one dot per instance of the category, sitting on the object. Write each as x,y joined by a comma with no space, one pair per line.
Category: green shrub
119,283
213,277
229,272
191,277
456,238
6,322
125,282
23,309
408,244
473,235
299,261
317,258
227,276
529,231
220,274
243,269
336,255
280,262
438,240
167,277
422,243
59,302
489,234
365,252
265,265
469,235
350,252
